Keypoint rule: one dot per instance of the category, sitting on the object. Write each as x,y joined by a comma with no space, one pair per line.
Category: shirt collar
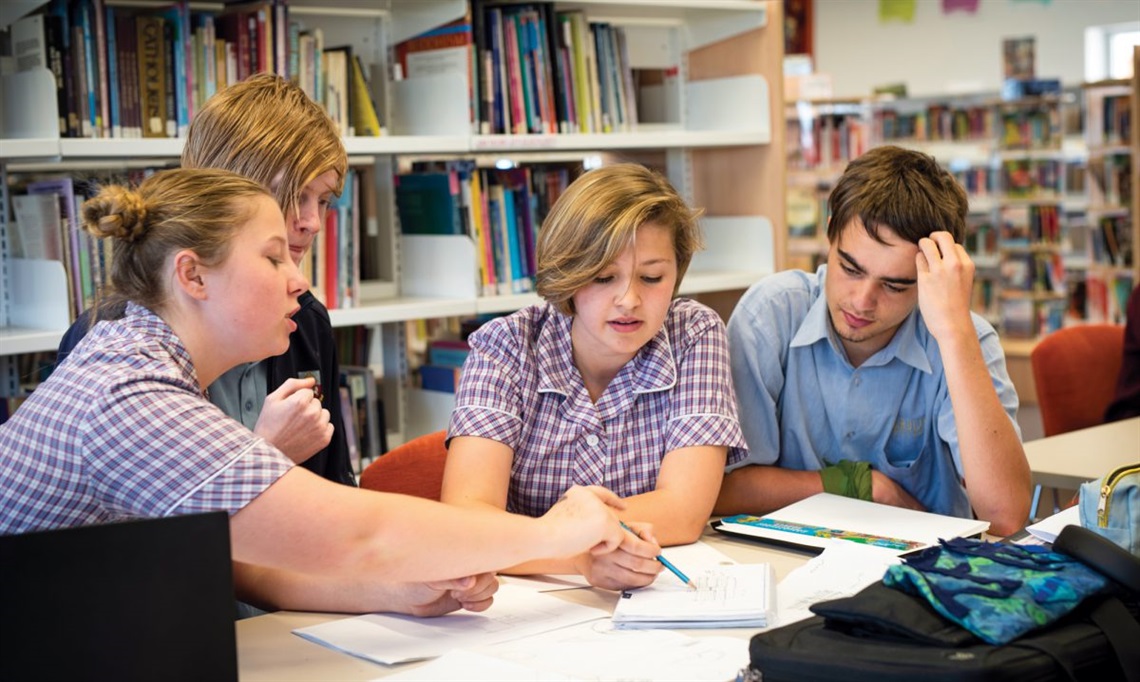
155,327
653,368
905,345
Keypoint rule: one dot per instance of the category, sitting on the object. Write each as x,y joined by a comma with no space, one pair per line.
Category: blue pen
665,562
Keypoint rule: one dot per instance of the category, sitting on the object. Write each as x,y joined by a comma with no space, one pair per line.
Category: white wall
957,52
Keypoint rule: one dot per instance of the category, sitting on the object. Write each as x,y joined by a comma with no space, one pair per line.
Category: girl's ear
188,272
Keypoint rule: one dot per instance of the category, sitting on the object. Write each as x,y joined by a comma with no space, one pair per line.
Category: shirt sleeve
757,361
704,403
488,401
156,449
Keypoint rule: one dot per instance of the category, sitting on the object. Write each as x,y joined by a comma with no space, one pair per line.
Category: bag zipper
1106,488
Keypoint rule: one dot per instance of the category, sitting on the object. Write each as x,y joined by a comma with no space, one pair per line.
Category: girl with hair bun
123,428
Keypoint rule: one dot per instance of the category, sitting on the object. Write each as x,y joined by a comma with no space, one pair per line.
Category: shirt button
850,435
591,440
248,405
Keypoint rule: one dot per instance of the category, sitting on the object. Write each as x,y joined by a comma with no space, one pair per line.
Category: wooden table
267,649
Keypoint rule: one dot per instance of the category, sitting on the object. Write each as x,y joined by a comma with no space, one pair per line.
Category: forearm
993,461
281,589
760,489
312,526
678,518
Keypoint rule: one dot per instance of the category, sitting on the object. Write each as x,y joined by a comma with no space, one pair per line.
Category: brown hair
597,218
196,209
265,127
903,190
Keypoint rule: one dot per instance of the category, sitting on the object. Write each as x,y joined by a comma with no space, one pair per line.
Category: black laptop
139,600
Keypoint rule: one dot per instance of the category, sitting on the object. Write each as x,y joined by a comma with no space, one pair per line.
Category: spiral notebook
737,595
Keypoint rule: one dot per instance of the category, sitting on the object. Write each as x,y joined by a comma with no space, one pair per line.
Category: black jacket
311,348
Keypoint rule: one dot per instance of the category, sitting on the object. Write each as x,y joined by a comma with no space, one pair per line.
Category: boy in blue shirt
871,377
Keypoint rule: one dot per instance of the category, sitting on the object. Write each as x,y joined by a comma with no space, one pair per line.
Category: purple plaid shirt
520,387
121,430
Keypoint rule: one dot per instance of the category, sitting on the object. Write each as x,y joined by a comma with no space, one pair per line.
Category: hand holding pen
665,562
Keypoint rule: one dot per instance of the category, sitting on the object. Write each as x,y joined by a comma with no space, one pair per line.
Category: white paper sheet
593,651
1049,528
382,638
841,570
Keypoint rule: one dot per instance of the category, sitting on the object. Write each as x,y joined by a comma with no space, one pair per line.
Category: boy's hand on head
945,283
885,491
294,421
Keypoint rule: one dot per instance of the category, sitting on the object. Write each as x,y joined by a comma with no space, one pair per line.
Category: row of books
1116,120
1031,177
1111,177
978,181
500,210
1035,271
1112,241
362,408
548,72
936,123
828,140
1026,225
47,226
334,264
1031,127
128,71
1028,318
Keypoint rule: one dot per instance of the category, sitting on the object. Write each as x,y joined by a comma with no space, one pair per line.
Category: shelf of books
821,137
440,80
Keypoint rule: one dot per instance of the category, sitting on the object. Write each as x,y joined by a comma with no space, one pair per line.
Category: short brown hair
263,127
196,209
597,218
901,189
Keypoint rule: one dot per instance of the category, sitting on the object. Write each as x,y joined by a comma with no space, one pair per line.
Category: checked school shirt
121,430
519,386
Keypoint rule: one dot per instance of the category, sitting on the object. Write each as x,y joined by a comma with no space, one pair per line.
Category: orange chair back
414,468
1075,370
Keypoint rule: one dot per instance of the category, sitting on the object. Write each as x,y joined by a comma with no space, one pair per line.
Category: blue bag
1110,506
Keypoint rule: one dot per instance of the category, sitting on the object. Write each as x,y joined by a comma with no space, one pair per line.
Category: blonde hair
267,129
597,218
196,209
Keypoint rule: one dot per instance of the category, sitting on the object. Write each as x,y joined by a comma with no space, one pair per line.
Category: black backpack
883,634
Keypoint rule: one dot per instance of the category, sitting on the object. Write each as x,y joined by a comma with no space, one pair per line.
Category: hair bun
116,212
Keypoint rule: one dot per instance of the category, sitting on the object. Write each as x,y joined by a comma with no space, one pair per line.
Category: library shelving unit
1110,245
713,137
822,136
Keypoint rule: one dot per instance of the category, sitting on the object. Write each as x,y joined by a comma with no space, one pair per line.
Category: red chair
414,468
1075,370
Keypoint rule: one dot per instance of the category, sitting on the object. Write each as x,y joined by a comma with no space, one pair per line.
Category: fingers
641,542
607,496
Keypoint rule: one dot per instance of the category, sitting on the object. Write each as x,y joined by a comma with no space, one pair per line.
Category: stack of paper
739,595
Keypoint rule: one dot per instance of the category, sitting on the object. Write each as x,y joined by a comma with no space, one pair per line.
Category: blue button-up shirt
803,406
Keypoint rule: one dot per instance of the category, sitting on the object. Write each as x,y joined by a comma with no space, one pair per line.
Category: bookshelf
711,133
822,137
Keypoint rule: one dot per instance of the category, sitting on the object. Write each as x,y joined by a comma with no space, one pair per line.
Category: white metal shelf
17,340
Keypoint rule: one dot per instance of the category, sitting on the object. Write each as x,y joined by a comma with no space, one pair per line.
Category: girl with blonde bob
123,429
612,382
